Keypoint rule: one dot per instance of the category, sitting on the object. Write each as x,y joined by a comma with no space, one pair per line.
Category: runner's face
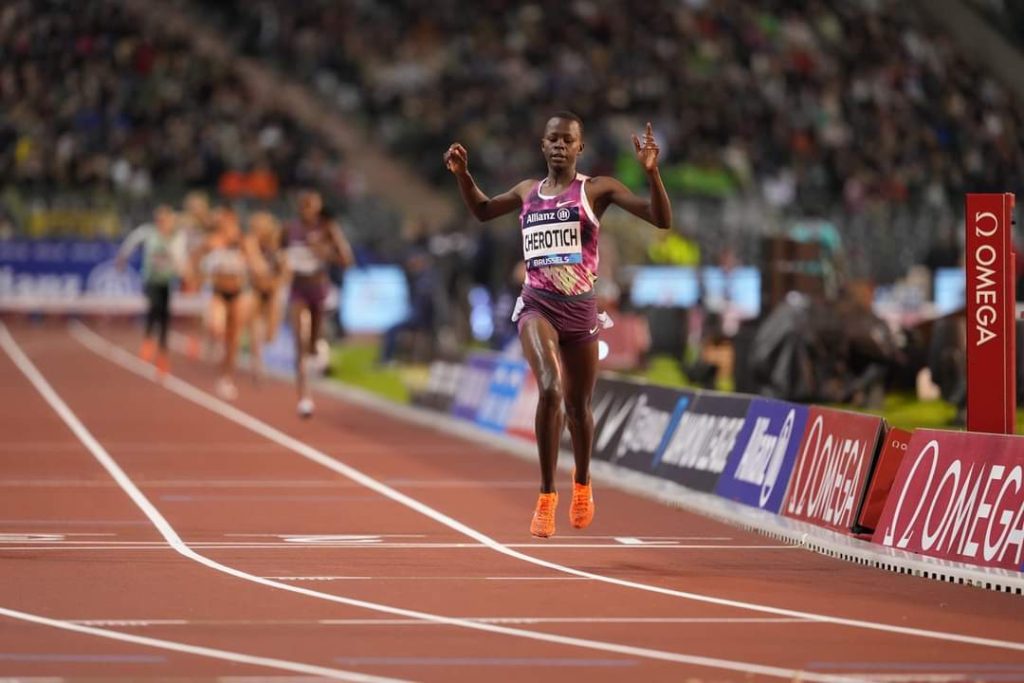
562,143
310,206
227,223
165,220
262,226
197,207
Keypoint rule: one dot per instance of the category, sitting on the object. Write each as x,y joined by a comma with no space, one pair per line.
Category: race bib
552,237
302,260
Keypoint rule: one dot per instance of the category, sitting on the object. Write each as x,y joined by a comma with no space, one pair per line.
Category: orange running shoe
581,509
543,524
148,350
193,349
163,364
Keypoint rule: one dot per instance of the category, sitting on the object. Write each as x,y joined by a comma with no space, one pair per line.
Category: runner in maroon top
311,244
557,312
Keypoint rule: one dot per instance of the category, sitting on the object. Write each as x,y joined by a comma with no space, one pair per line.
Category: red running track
239,542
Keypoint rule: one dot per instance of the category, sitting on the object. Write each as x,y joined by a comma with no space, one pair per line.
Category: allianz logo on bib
561,215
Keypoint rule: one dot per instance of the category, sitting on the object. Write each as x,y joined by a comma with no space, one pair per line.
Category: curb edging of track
817,539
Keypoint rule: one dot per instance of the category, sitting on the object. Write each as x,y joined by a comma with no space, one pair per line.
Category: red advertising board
894,447
990,308
832,467
958,496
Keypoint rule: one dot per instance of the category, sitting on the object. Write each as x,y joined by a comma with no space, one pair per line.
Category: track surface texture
151,530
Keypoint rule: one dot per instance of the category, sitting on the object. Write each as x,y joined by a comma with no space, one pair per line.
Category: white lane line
419,622
174,540
258,483
924,677
666,538
144,447
213,653
316,538
134,545
132,622
426,578
48,536
578,620
115,354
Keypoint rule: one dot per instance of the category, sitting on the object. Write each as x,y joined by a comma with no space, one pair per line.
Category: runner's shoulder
524,187
601,183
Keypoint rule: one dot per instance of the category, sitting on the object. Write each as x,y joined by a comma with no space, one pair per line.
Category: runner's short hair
568,116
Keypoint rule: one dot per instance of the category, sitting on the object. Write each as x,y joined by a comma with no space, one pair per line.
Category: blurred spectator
671,248
857,102
89,100
421,275
944,251
1004,15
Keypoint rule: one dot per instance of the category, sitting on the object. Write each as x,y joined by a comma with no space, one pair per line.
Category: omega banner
990,297
831,471
958,496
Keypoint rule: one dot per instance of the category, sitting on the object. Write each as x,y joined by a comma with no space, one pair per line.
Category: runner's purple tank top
302,259
560,240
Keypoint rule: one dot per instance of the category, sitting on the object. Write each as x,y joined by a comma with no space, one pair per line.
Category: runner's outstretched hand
456,159
646,153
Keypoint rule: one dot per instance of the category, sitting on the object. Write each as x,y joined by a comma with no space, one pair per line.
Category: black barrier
630,420
700,438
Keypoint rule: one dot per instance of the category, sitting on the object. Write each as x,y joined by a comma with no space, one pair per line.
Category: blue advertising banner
630,421
699,440
64,269
760,464
506,383
279,355
374,298
475,382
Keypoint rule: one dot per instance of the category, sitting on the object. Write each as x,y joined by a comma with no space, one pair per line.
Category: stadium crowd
92,101
824,105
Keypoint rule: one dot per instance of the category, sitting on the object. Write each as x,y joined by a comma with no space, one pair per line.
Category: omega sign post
990,311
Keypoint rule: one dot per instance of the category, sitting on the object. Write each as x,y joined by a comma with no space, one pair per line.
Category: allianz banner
762,459
958,496
631,419
64,269
700,438
831,470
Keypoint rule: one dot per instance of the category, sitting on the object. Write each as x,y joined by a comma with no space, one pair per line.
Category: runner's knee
550,392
